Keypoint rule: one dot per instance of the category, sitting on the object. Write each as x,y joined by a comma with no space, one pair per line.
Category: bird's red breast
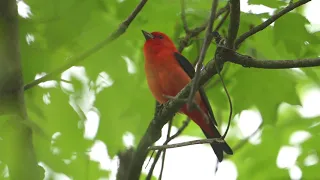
168,72
166,77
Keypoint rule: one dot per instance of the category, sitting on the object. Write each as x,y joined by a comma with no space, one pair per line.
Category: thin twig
76,59
244,141
206,43
196,31
65,81
192,33
266,23
234,22
193,105
230,102
158,107
183,16
180,130
151,156
218,60
247,61
223,10
224,18
153,165
229,99
164,151
213,84
188,143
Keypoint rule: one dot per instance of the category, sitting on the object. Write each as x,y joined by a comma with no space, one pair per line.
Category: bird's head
157,41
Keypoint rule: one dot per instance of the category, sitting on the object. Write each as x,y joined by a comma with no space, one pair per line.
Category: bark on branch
188,143
17,143
247,61
205,45
234,22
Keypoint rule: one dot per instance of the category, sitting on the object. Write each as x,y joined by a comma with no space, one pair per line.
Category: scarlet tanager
168,72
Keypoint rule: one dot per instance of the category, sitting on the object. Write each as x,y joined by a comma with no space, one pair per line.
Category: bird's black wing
189,69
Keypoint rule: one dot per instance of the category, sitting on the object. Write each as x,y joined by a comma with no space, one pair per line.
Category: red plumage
167,73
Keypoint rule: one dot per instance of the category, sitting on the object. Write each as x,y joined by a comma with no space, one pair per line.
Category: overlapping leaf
64,29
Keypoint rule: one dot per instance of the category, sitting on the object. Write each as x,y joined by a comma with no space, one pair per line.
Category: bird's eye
160,37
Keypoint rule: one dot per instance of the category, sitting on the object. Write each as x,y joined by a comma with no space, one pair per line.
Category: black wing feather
189,69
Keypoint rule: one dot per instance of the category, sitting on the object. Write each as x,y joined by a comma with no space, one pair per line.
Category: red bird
168,72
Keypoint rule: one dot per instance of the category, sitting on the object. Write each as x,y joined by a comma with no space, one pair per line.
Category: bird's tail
210,131
218,148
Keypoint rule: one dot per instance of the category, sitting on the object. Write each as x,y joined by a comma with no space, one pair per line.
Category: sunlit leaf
270,3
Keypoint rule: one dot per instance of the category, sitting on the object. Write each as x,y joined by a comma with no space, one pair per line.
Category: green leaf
290,121
56,30
117,104
264,89
312,74
3,126
57,116
250,159
83,168
120,112
311,172
269,3
64,29
293,40
273,137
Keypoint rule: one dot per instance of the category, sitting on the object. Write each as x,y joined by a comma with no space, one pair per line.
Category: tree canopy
82,66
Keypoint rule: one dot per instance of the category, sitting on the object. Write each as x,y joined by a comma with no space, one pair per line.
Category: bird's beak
147,35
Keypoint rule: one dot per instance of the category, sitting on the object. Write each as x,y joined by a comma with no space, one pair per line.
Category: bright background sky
198,161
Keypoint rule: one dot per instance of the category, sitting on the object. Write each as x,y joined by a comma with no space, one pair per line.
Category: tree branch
76,59
272,19
125,157
192,33
247,61
224,18
188,143
16,144
196,31
234,22
244,141
183,16
206,43
229,100
180,130
164,151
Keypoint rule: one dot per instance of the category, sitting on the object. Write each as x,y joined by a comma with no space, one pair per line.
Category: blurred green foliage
62,29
